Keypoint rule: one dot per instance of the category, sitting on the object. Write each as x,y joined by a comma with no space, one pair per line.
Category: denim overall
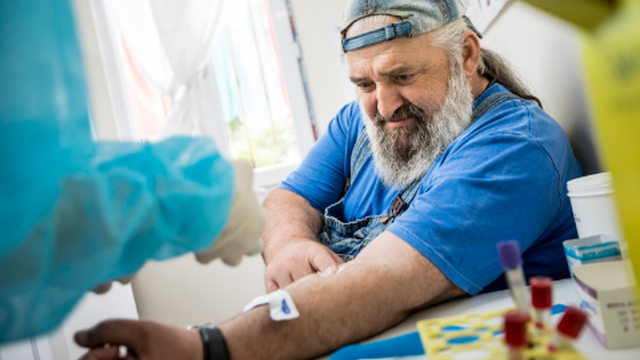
347,239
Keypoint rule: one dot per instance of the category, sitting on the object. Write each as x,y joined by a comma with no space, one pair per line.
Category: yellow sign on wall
612,66
584,13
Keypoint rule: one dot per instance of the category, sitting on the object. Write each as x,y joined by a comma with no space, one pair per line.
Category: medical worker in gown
75,213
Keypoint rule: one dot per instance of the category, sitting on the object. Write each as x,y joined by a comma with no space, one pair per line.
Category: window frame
293,72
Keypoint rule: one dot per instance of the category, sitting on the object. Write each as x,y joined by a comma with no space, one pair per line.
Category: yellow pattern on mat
480,335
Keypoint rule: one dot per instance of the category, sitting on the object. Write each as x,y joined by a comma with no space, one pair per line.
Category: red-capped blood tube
541,300
515,334
568,328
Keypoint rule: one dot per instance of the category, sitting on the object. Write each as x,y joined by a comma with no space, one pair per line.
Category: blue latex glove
74,213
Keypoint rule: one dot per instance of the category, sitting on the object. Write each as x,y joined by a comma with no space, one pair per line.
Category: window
150,108
262,112
251,87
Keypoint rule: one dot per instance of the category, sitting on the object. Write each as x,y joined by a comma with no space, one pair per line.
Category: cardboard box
590,250
607,291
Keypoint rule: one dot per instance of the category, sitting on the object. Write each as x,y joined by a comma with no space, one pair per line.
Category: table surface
563,293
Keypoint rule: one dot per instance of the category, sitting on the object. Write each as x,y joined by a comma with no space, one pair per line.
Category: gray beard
406,154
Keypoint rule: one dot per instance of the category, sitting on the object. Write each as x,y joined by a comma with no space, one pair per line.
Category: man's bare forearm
290,217
370,295
334,311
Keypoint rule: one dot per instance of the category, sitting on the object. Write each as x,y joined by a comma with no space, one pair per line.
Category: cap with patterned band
418,17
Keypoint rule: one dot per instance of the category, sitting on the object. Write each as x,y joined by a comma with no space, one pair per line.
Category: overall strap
360,153
361,150
401,201
491,102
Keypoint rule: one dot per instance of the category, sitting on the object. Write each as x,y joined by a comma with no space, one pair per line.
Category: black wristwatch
213,343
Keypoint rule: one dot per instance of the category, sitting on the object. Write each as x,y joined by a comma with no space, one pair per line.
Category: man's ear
470,52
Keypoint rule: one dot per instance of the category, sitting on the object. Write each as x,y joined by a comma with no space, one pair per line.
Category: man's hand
291,250
297,260
144,340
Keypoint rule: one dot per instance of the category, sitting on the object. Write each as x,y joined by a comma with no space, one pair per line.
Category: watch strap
214,344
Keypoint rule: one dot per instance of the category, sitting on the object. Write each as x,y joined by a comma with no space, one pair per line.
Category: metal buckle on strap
390,31
398,206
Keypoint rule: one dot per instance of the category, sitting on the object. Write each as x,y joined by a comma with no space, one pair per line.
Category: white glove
242,233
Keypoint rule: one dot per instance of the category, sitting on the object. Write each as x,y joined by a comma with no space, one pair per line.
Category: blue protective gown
75,213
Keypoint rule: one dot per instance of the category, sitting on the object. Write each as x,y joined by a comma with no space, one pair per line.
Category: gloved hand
242,233
240,236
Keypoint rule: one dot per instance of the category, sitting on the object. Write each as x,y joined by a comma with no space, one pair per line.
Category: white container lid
592,185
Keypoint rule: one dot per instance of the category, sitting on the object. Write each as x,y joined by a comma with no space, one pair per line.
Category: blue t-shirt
503,178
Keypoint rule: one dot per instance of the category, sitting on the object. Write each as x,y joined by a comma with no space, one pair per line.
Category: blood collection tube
568,328
541,300
511,261
515,334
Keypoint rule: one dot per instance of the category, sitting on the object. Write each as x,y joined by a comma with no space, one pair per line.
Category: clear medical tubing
511,262
74,213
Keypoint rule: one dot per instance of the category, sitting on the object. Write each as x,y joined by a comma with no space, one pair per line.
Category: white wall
184,292
316,22
545,51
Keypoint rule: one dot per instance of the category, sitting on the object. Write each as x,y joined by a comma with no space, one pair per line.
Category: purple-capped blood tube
511,261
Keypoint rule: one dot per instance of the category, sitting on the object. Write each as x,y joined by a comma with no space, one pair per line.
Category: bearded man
444,155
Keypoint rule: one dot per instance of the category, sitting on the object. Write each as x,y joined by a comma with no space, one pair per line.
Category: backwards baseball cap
418,17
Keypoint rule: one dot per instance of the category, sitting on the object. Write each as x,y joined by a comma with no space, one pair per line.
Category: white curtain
171,42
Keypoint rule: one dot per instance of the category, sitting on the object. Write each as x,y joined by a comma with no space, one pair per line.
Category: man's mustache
403,112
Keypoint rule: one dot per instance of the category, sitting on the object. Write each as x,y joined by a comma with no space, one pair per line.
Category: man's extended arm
291,250
378,289
387,281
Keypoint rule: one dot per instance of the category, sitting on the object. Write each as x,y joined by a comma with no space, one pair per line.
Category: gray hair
491,65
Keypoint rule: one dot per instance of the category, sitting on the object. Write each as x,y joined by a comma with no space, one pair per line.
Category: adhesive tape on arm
281,305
